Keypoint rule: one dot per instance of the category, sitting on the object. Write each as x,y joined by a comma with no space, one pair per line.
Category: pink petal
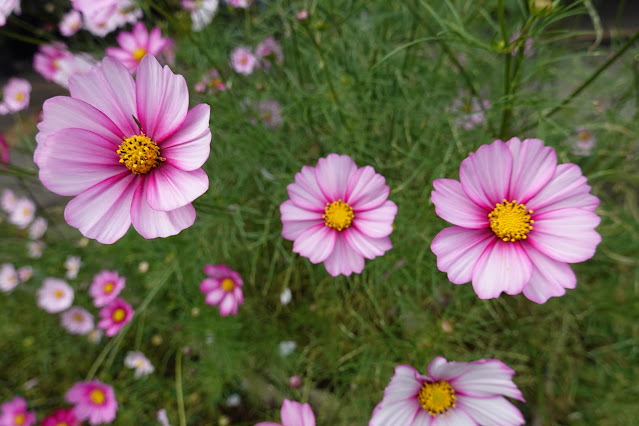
378,222
296,414
141,34
343,260
267,424
487,378
102,212
162,99
566,235
215,296
333,174
491,411
504,266
366,246
453,205
73,160
458,250
210,284
366,190
533,167
296,220
169,188
395,413
189,147
454,417
440,369
127,41
305,192
567,189
485,175
403,385
549,278
152,223
219,271
124,57
110,89
228,305
422,418
316,243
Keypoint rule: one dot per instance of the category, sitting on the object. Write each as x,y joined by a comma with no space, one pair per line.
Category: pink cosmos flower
114,316
94,401
23,213
269,49
583,143
338,214
60,417
70,23
72,265
37,228
9,200
105,287
269,113
470,111
146,176
519,218
243,61
243,4
77,321
293,414
7,7
212,80
16,94
202,12
453,393
136,44
103,16
24,273
55,295
55,63
223,287
8,277
163,418
138,361
14,413
35,249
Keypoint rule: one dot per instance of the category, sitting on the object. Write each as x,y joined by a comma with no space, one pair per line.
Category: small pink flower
9,200
269,113
202,12
520,220
338,214
71,22
114,316
239,3
223,287
103,16
16,94
60,417
294,414
8,277
139,362
55,63
14,413
77,321
23,213
527,45
212,80
470,111
38,228
269,49
243,61
55,295
583,143
72,265
7,7
302,15
35,249
136,44
163,418
105,287
25,273
453,393
94,401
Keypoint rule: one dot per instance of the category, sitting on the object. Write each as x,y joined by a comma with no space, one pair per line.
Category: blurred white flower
77,321
72,265
9,200
35,249
38,228
287,347
8,277
141,364
285,296
95,335
163,418
55,295
22,213
25,273
234,400
143,267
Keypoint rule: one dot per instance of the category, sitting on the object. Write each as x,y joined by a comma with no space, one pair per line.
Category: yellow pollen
437,398
108,288
118,315
62,424
97,396
78,318
139,53
510,221
338,215
26,211
228,284
140,154
19,96
19,419
58,294
584,136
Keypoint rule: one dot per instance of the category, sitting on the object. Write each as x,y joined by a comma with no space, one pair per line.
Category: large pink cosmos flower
136,44
90,147
453,393
223,287
293,414
94,401
338,214
520,220
15,412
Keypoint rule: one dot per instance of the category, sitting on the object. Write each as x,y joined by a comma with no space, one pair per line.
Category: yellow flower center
78,318
140,154
108,287
19,96
97,396
228,284
338,215
62,424
584,136
437,398
58,294
139,53
19,419
119,314
510,221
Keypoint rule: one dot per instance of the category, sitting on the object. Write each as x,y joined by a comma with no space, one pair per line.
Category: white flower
163,418
8,277
38,228
234,400
137,360
77,321
202,12
22,213
95,335
35,249
285,296
25,273
55,295
287,347
72,264
143,266
9,200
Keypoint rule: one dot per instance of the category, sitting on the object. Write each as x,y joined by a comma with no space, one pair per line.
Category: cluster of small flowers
21,213
244,61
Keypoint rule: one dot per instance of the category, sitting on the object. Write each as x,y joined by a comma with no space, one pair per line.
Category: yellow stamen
228,284
19,419
437,398
338,215
19,96
62,424
108,287
58,294
78,318
139,53
97,396
510,221
584,135
118,315
140,154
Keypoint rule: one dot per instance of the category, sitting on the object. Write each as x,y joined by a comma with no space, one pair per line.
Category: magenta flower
243,61
114,316
70,23
16,94
14,413
223,287
93,401
136,44
453,393
519,218
338,214
146,176
293,414
59,417
105,287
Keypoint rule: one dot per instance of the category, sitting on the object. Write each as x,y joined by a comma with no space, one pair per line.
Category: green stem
508,57
178,387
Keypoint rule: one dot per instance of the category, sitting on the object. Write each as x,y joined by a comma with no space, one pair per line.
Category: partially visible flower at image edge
93,401
223,287
293,414
15,412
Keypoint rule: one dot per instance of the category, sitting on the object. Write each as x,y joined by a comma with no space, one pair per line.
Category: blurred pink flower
114,316
293,414
470,111
71,22
38,228
55,295
25,273
338,214
212,80
14,413
163,418
202,12
55,63
9,200
103,16
239,3
269,112
23,213
93,401
243,61
61,417
527,44
453,393
519,218
269,49
72,265
139,362
15,96
583,144
7,7
136,44
147,176
223,287
302,15
8,277
105,287
77,321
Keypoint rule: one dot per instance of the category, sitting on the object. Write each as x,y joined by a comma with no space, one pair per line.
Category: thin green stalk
178,387
508,57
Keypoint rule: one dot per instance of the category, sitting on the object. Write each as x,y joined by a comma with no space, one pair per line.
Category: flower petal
152,223
453,205
440,369
485,175
333,174
366,190
533,167
378,222
228,305
458,250
403,385
343,260
491,411
294,413
568,188
316,243
566,235
366,246
296,220
209,284
454,417
487,378
305,192
169,188
189,147
549,279
395,413
504,266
